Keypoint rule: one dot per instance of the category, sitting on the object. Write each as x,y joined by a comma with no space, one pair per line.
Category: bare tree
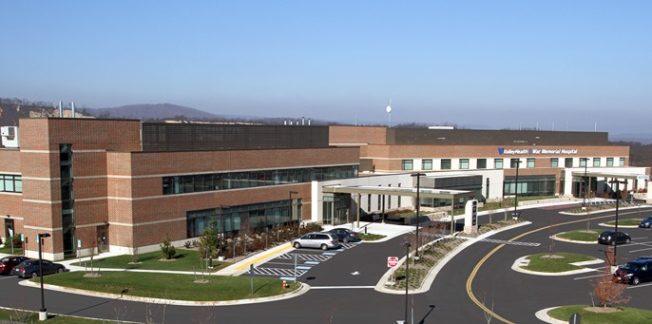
606,290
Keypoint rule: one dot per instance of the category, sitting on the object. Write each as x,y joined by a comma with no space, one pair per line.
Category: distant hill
151,112
643,138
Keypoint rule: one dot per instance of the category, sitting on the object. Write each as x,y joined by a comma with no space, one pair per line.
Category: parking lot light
418,204
407,276
43,312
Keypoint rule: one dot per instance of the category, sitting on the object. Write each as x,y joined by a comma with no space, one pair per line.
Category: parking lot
298,262
640,246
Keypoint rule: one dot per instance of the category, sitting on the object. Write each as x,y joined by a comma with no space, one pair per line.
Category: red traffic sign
392,261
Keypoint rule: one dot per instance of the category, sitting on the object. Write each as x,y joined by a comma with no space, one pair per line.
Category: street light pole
290,211
586,162
43,312
617,182
407,274
418,175
518,162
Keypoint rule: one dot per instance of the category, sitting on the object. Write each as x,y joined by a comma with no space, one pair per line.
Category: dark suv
345,235
646,222
611,237
634,272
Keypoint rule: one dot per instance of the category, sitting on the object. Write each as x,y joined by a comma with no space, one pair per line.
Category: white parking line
639,250
589,277
639,286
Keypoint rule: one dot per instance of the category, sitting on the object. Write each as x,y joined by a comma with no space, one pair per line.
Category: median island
602,314
172,286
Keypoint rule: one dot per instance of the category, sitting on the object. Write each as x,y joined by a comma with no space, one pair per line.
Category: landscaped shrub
168,249
17,242
311,227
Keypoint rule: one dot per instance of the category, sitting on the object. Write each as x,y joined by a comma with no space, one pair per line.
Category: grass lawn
627,315
370,237
185,260
17,316
556,261
626,222
172,286
7,250
580,235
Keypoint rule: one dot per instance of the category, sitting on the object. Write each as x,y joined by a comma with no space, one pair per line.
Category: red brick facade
118,185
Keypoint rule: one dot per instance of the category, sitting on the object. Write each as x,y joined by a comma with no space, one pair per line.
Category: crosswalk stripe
277,272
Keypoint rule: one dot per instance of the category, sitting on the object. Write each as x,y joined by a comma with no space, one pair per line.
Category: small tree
208,243
167,248
605,289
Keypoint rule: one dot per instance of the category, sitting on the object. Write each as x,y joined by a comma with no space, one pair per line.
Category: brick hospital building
119,184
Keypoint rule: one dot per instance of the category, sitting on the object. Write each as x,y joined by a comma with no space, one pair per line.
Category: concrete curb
543,316
602,211
560,239
619,226
434,271
74,268
304,289
518,263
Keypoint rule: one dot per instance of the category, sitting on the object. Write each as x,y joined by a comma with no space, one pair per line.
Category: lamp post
43,312
418,175
515,214
617,182
291,192
407,274
586,163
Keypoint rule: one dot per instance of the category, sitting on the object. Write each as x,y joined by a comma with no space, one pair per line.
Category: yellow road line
474,272
245,265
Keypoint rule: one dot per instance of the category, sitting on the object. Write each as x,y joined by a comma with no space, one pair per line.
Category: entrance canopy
396,191
618,175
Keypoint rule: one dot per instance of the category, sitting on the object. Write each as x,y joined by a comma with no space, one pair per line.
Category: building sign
535,151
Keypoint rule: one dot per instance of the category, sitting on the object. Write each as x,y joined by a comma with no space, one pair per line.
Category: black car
646,222
611,237
30,268
9,262
345,235
634,272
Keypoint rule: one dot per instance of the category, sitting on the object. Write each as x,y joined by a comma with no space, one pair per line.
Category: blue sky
490,64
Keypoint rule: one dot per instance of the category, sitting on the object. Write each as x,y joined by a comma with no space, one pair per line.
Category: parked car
9,262
646,222
345,235
322,241
634,272
612,237
30,268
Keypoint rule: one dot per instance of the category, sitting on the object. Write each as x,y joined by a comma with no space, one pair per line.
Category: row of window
464,164
11,183
233,180
253,217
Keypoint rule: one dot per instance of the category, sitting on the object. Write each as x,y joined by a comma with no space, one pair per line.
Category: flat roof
621,175
396,191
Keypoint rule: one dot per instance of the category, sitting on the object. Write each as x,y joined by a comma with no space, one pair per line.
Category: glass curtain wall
253,217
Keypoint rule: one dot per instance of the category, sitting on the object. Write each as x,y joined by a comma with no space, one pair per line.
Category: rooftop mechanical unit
9,136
